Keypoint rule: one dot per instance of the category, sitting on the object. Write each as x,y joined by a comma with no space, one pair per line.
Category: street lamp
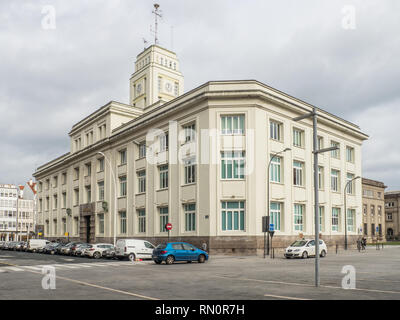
268,196
345,210
314,116
116,196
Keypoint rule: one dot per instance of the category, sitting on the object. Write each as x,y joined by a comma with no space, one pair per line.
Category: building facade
198,160
14,211
373,209
392,201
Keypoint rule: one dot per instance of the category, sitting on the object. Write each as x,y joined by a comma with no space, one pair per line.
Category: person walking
359,244
204,246
364,243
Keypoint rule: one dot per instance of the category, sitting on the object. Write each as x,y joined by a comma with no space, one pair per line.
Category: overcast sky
52,78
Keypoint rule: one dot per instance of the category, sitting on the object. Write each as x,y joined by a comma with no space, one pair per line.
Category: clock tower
156,77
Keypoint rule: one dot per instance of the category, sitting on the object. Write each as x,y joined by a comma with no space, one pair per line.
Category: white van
134,249
35,245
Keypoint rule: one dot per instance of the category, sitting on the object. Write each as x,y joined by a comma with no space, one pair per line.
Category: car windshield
298,244
161,246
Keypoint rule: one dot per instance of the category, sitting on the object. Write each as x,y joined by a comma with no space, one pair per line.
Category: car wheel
201,258
96,255
132,257
170,260
304,255
189,261
323,254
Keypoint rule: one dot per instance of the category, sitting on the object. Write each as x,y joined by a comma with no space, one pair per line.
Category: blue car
178,251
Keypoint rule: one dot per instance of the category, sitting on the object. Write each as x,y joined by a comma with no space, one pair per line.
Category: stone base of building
235,245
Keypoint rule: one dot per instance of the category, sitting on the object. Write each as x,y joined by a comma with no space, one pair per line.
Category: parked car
2,243
305,248
66,249
12,245
96,250
19,245
134,249
37,245
73,248
49,247
24,247
80,249
178,251
6,245
110,253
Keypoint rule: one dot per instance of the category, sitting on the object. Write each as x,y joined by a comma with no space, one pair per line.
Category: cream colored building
392,205
208,176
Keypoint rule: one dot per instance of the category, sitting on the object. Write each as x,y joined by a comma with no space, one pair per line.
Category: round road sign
168,226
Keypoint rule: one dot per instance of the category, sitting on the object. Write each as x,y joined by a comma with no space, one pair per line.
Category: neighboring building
373,227
228,131
9,205
392,203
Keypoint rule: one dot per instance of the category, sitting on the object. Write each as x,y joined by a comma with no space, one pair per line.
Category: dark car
51,248
178,251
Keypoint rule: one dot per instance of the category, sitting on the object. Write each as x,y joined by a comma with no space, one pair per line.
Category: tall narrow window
141,181
298,138
233,216
163,176
142,150
276,169
335,174
142,220
298,173
122,157
298,217
335,153
164,142
122,220
101,164
232,164
232,124
321,218
320,143
163,218
100,188
275,130
351,215
190,132
88,194
100,218
350,154
190,170
350,186
275,214
190,217
122,186
76,197
335,219
320,178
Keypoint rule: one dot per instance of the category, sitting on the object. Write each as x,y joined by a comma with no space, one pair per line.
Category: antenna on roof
157,14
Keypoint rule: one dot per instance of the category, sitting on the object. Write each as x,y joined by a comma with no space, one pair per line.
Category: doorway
87,220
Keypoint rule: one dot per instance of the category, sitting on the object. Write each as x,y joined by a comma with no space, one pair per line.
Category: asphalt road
221,278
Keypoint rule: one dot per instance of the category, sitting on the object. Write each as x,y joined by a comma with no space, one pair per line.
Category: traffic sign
377,229
271,227
168,226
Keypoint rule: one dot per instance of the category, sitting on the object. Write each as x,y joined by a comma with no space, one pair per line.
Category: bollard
337,247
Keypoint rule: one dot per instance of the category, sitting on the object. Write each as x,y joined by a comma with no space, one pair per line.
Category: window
163,218
122,186
88,169
372,229
142,220
76,197
64,199
298,217
55,202
55,226
335,180
141,181
335,219
164,142
298,172
368,193
142,150
190,170
232,165
190,217
233,216
389,216
321,218
335,153
232,124
365,209
320,178
350,186
350,154
100,218
320,143
275,130
100,187
122,222
190,132
163,176
365,229
372,210
176,86
298,138
88,194
276,169
275,214
76,173
101,164
76,226
64,178
351,216
122,157
55,182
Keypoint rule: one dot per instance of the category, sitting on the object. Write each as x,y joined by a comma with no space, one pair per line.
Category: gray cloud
51,79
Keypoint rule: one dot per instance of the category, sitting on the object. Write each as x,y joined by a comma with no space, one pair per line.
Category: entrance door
87,218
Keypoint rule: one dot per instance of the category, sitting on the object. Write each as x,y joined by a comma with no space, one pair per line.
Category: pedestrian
364,243
204,246
359,244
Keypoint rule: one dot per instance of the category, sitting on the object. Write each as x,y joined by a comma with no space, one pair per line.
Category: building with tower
198,160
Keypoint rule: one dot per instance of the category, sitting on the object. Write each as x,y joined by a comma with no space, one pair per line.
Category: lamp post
345,210
316,151
268,196
116,196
